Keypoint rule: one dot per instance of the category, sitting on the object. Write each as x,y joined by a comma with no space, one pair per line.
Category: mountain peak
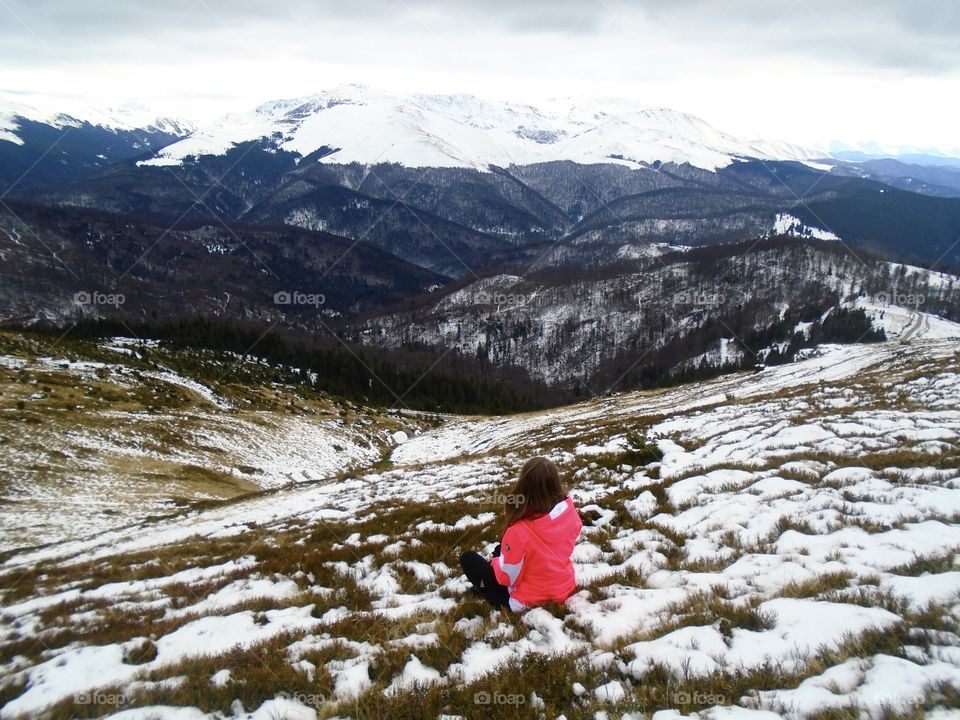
458,130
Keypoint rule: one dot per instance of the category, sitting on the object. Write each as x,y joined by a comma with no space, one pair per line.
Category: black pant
478,571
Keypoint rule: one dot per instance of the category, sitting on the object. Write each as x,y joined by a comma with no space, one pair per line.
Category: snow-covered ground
828,363
800,531
906,323
144,440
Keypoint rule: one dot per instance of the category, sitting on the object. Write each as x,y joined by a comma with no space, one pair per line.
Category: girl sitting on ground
531,566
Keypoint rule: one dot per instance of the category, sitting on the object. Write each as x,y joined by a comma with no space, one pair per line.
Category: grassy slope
728,520
97,437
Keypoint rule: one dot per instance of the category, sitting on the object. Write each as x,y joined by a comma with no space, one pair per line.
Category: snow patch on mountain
787,224
557,330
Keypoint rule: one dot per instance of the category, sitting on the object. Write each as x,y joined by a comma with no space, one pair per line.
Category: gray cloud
737,51
920,36
96,20
38,32
804,70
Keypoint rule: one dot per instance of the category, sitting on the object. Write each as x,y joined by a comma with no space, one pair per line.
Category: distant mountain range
129,116
385,204
355,124
454,183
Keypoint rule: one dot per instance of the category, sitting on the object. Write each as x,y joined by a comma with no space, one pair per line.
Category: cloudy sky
809,71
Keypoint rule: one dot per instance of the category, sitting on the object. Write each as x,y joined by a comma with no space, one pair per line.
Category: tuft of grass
257,674
140,652
817,586
932,564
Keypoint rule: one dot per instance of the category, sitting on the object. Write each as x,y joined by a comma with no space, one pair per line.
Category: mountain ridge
122,117
421,130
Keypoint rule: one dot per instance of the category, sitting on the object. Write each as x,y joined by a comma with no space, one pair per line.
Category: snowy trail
906,324
914,327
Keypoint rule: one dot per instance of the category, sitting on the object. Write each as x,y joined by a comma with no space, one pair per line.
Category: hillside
154,429
669,311
138,269
782,540
594,317
458,220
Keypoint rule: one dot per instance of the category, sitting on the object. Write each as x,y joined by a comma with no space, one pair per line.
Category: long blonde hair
538,489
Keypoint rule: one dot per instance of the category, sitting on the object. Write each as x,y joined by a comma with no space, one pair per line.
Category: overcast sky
809,71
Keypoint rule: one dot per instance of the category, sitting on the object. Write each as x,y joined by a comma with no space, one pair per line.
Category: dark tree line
417,378
670,364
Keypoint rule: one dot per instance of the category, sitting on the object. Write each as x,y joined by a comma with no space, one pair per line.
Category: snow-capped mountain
51,142
353,123
453,182
923,155
128,116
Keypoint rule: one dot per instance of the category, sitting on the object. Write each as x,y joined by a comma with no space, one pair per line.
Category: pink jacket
534,561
